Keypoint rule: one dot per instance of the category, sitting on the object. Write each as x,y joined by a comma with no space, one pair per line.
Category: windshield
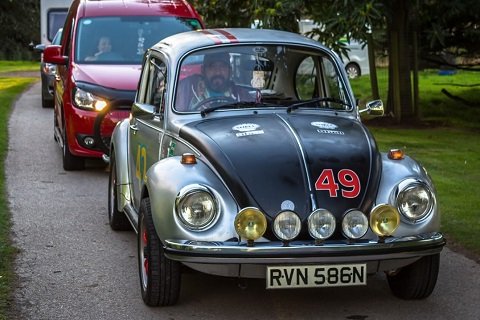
123,40
259,76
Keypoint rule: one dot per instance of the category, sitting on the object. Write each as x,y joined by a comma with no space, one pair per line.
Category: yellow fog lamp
251,224
384,220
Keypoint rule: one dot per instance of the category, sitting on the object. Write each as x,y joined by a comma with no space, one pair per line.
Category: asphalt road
71,265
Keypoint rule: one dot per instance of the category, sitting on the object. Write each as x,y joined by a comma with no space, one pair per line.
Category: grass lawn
10,88
10,66
450,151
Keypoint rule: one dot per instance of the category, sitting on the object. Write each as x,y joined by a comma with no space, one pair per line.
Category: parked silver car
47,72
245,156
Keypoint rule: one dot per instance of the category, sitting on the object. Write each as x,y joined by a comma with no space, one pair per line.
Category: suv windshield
123,40
253,76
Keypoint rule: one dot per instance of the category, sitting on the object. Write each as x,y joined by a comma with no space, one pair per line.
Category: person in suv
93,94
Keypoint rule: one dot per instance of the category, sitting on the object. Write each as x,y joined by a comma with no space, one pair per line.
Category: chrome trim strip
272,252
304,160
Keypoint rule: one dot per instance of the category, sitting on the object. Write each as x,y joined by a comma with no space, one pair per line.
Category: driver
216,82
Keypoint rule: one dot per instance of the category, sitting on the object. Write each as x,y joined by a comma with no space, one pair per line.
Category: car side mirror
374,108
53,54
39,48
142,109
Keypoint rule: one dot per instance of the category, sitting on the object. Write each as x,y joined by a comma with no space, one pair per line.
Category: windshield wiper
236,105
316,100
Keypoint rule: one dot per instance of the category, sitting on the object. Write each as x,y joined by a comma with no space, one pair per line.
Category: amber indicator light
188,158
396,154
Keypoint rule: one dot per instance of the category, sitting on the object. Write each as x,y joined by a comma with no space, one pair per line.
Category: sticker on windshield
247,129
259,50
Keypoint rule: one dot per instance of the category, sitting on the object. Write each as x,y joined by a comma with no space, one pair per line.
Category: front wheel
70,162
417,280
159,276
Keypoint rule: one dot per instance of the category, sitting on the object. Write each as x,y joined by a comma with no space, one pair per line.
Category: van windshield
123,40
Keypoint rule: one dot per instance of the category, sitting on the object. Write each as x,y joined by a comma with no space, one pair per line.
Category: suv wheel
70,162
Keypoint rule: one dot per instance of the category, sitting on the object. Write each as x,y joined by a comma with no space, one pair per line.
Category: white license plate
337,275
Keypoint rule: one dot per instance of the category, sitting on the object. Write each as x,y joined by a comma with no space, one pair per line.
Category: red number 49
346,177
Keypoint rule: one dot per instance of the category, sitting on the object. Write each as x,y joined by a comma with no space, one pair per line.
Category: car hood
118,77
291,161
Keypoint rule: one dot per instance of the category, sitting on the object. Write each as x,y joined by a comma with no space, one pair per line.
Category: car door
147,124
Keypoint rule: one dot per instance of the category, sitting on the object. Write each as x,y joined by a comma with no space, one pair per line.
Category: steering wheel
213,100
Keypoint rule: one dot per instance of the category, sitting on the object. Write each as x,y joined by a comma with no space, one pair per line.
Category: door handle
134,128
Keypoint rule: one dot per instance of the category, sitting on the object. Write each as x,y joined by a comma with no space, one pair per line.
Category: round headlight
384,220
250,223
415,201
196,208
354,224
287,225
321,224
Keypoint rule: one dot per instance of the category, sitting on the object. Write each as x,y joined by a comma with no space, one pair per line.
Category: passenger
104,51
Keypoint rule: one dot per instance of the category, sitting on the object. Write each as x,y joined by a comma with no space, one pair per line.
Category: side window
306,84
68,41
144,81
157,85
333,85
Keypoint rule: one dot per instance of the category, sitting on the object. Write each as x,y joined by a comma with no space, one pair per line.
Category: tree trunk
400,91
372,67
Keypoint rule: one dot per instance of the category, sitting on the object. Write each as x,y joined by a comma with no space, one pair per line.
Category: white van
52,18
356,64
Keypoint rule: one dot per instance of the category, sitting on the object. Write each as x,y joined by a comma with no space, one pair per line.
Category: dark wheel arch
118,220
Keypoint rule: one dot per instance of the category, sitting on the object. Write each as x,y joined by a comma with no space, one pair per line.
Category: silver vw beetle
245,156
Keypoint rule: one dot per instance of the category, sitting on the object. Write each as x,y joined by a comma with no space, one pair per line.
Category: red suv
98,60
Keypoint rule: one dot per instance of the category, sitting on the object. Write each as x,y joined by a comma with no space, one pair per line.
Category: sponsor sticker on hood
326,127
247,129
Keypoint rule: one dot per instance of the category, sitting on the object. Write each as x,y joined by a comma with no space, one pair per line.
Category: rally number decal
141,163
348,182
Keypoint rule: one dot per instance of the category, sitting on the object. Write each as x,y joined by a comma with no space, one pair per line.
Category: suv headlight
415,201
88,101
196,207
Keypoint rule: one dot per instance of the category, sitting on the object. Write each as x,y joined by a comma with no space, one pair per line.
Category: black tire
70,162
417,280
118,220
160,277
353,70
46,103
103,143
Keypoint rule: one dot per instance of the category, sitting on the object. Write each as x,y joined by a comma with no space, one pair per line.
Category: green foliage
450,27
268,14
10,88
20,21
